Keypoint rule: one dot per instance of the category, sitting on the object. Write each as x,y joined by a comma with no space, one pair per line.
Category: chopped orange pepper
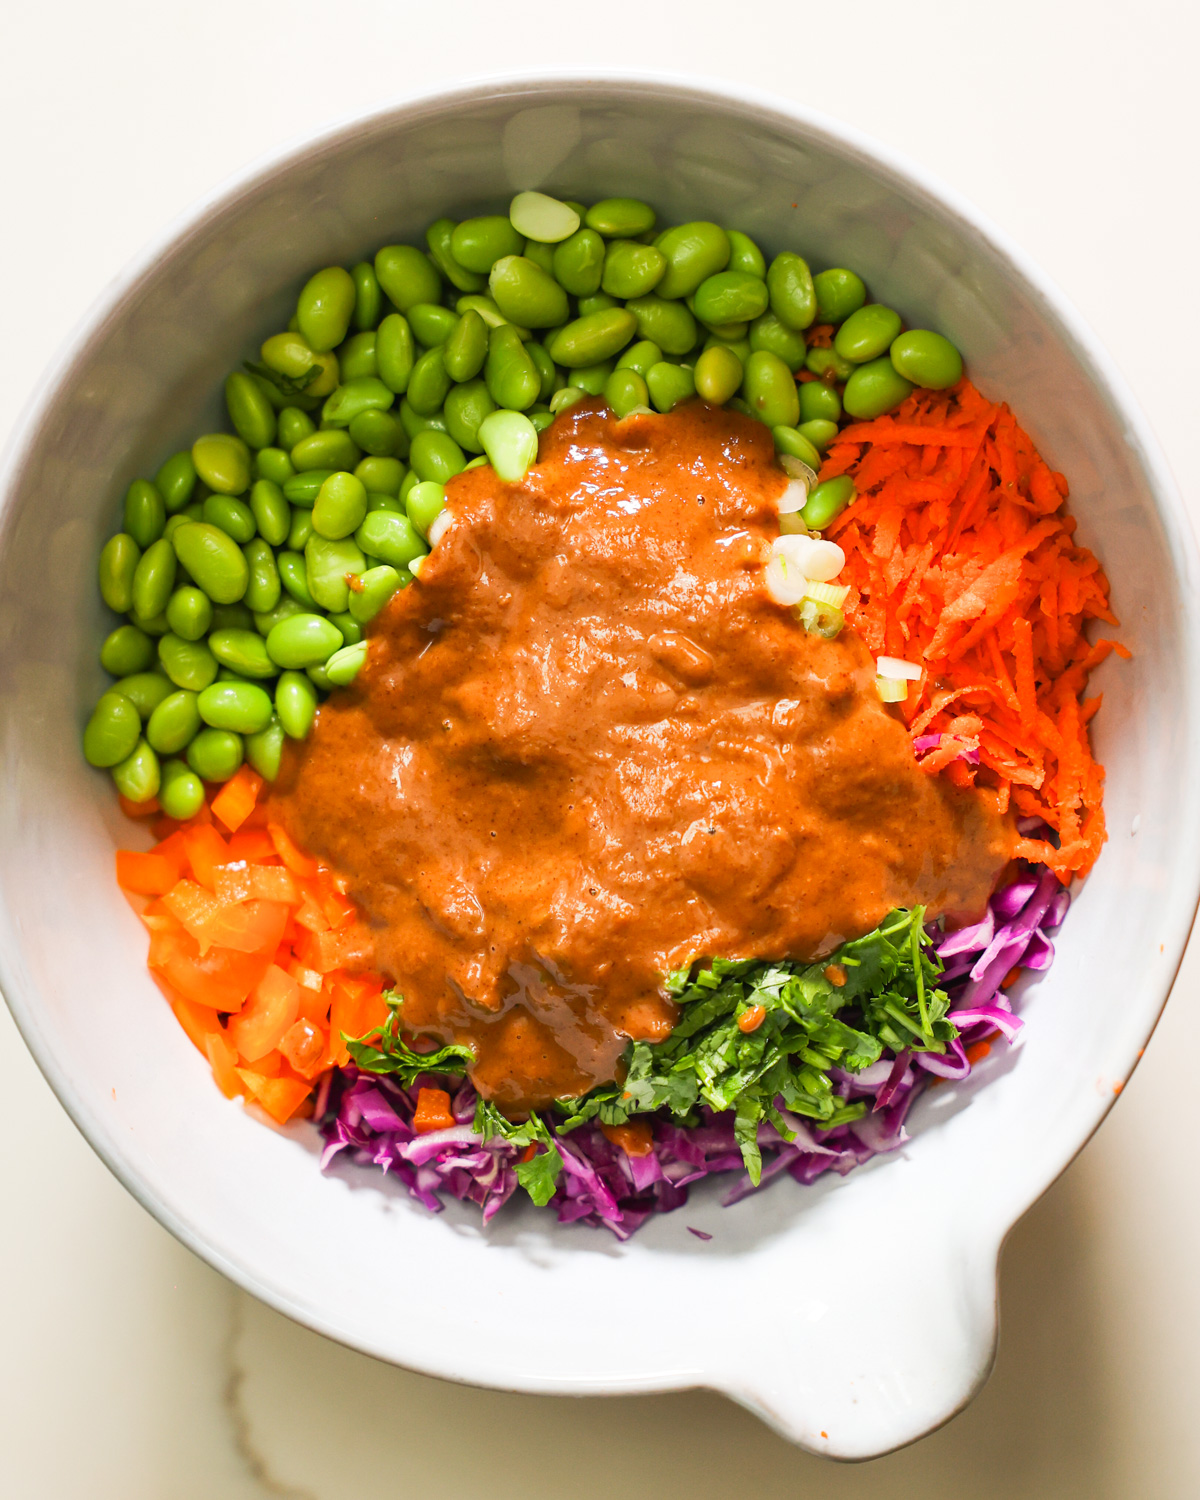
234,803
432,1111
299,864
635,1138
267,1015
145,874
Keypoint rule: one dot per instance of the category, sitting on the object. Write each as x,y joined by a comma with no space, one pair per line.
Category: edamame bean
294,426
287,606
213,559
479,243
377,585
791,441
769,333
826,501
356,357
921,356
579,263
511,376
540,255
510,441
539,217
867,333
264,750
770,390
819,402
252,415
668,324
429,383
436,456
438,237
592,379
489,312
138,776
376,501
242,650
839,293
273,465
427,500
223,462
353,397
620,218
303,489
466,406
215,754
327,564
180,791
145,513
631,269
175,481
263,589
379,433
407,276
320,678
466,349
126,650
303,641
744,255
300,530
640,357
597,302
541,417
344,665
790,283
145,690
819,432
381,476
328,449
875,388
693,253
526,294
368,299
119,558
151,624
718,374
189,664
290,355
546,368
154,579
325,307
570,395
234,517
413,422
174,721
828,365
112,732
232,617
729,297
295,703
394,352
348,625
293,574
189,612
240,706
339,509
669,384
431,324
391,538
271,512
593,338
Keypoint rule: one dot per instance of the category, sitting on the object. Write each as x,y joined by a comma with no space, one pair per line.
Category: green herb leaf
539,1175
385,1050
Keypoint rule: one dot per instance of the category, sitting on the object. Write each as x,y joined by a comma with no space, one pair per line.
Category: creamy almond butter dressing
587,747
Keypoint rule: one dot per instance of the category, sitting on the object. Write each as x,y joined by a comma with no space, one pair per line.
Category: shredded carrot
959,556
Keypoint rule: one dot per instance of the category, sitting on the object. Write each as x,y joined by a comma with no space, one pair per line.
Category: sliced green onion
895,666
891,689
794,497
437,528
539,217
833,594
510,441
416,564
796,468
821,619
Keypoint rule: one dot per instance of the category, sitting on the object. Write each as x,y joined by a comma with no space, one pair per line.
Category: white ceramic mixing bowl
853,1315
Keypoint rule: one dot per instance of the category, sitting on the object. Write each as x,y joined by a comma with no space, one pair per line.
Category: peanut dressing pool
587,748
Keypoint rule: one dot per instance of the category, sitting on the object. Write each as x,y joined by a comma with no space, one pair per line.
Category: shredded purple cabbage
370,1117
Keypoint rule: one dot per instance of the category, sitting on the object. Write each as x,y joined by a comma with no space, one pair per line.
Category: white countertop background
128,1369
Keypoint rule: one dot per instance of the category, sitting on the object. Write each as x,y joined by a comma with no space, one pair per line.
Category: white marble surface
129,1369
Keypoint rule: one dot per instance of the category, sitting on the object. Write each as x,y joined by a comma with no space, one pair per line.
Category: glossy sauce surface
587,747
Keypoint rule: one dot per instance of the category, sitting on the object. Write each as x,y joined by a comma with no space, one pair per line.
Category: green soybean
438,237
368,299
145,514
303,641
252,415
263,589
668,324
348,625
592,378
819,431
427,500
640,357
489,312
215,754
579,263
291,355
356,357
339,509
154,579
540,254
744,255
597,302
377,587
234,517
431,324
180,791
718,374
295,703
376,501
319,678
828,365
294,426
327,564
112,731
391,538
329,449
466,406
826,501
669,384
264,750
175,481
284,610
768,333
875,388
145,690
395,353
232,617
819,402
272,514
293,574
414,422
631,269
151,624
625,390
542,218
620,218
479,243
570,395
125,650
790,283
867,333
273,465
240,706
922,357
353,397
790,440
770,390
325,307
344,665
300,530
213,559
730,297
839,293
436,456
593,338
466,349
693,252
429,383
303,489
242,650
511,377
119,558
223,462
407,276
378,433
138,776
381,476
527,295
173,723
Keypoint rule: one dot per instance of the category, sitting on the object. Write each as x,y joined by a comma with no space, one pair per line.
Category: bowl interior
532,1305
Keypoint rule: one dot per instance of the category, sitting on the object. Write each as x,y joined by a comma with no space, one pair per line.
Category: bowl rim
729,98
